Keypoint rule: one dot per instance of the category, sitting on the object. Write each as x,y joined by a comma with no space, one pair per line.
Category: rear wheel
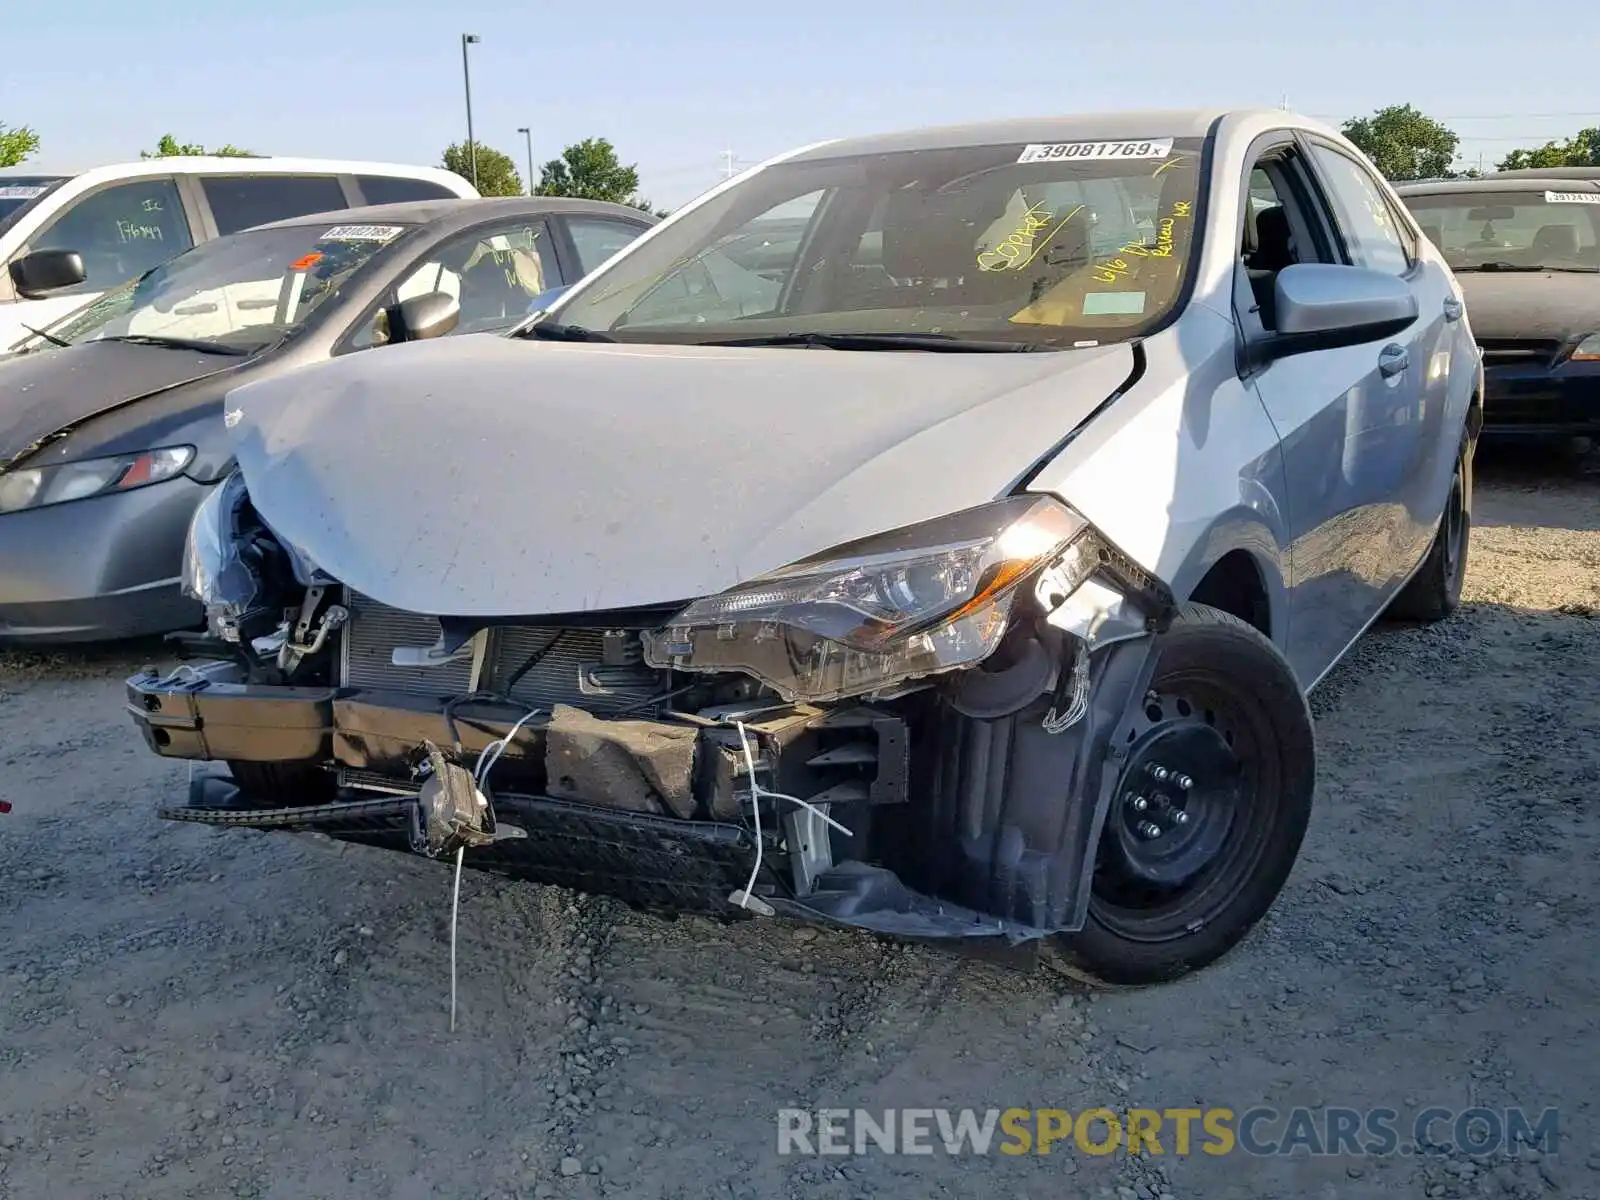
1209,811
1434,592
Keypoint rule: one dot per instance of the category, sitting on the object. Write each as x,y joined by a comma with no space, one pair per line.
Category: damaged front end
915,734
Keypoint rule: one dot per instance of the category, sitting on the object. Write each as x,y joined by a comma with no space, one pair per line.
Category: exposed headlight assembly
869,615
214,573
1587,350
36,487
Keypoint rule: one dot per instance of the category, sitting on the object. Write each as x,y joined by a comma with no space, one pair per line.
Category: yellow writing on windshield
1166,241
1153,265
1023,244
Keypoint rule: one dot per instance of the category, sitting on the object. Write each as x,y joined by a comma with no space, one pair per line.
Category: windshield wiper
178,343
554,331
49,337
938,342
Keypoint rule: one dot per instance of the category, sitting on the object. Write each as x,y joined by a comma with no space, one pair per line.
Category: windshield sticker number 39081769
1062,151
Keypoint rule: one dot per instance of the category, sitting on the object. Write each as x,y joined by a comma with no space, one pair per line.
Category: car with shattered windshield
1526,248
111,430
953,563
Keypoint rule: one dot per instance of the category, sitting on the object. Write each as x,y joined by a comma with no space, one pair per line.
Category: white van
122,220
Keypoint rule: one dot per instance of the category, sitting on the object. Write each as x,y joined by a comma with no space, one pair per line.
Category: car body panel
768,456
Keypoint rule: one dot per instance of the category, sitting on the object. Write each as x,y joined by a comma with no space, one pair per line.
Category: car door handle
1452,309
1393,360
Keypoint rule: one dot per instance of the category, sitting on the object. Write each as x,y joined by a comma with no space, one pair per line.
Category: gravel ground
191,1013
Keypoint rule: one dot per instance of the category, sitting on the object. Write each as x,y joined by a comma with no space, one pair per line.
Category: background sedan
109,421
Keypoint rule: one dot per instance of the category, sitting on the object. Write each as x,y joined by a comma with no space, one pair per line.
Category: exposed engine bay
916,735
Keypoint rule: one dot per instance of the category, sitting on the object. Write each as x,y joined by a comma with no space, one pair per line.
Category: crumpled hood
44,392
1528,304
484,476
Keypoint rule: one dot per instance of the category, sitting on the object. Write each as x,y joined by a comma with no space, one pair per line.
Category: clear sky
673,85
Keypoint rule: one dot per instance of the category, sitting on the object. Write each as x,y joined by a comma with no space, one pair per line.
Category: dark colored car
110,421
1525,247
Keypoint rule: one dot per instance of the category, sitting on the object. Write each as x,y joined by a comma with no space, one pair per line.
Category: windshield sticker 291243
1058,151
1572,197
362,233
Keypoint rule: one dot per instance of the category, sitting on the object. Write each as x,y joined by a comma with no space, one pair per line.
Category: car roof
1550,173
1536,181
456,212
1101,126
210,164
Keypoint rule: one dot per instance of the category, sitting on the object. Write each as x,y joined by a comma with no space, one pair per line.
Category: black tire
1223,699
285,785
1434,592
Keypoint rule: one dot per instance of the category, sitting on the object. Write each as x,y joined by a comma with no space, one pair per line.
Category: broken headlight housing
872,614
214,572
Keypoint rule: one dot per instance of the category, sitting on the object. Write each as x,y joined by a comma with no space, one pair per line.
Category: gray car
110,421
952,563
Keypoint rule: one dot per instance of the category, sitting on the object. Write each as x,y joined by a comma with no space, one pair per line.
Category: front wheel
1210,808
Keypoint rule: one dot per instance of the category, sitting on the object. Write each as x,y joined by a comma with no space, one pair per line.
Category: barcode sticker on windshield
1572,197
16,191
362,233
1054,151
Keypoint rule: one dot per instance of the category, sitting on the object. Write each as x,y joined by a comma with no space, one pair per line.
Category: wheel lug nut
1159,773
1183,782
1149,829
1138,803
1181,817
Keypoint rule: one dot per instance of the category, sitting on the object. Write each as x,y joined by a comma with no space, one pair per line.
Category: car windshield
240,293
1512,230
19,191
1056,245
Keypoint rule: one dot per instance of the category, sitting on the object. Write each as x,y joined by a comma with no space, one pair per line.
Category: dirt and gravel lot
193,1013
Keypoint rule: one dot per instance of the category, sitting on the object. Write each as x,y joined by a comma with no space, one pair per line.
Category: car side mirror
421,318
1324,306
38,274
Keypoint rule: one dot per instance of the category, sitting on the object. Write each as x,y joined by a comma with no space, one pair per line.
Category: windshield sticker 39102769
1054,151
362,233
1572,197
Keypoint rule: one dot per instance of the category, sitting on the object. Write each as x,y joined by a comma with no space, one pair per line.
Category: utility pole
528,134
469,39
727,164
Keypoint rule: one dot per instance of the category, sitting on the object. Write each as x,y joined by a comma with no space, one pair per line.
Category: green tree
170,147
17,145
497,174
1404,143
1581,150
590,170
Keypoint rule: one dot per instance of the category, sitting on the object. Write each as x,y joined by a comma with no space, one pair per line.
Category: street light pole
528,135
469,39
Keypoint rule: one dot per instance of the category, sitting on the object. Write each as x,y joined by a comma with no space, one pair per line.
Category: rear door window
239,202
120,231
598,238
388,189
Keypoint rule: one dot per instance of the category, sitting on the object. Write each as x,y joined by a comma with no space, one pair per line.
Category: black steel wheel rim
1191,814
1455,527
